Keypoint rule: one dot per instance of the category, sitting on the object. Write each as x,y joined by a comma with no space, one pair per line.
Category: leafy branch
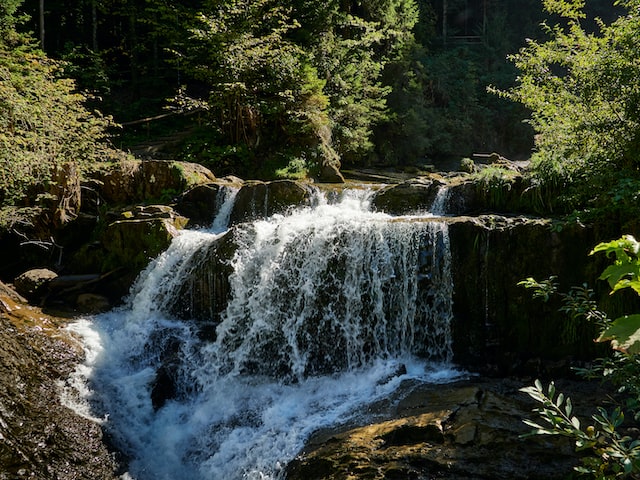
613,454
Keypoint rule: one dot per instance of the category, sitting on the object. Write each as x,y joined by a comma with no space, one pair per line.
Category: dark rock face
497,322
205,293
257,200
412,196
466,431
199,204
41,438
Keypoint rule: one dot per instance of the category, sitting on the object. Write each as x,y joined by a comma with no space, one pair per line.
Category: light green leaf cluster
43,121
623,332
584,97
614,453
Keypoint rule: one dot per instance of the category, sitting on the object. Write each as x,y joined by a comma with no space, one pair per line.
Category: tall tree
43,120
583,92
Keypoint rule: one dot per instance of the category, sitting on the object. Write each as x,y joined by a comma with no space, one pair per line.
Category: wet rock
467,431
201,203
411,196
40,438
204,294
32,284
257,200
496,322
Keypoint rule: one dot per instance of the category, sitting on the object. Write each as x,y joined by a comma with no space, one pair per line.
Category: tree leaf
624,334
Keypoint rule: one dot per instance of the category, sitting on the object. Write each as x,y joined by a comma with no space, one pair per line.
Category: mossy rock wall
137,181
496,321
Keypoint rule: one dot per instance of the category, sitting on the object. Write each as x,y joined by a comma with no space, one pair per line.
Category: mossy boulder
412,196
139,235
257,200
138,181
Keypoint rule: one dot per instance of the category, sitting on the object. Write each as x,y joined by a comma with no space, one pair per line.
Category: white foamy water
331,308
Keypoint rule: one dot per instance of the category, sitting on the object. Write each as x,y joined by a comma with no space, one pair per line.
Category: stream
331,308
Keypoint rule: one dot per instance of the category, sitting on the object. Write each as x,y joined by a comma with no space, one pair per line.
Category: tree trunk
41,12
94,26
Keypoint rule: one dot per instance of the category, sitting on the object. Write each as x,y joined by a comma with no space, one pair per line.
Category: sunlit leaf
624,334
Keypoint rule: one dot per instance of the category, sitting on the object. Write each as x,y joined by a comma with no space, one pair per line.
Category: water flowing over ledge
329,308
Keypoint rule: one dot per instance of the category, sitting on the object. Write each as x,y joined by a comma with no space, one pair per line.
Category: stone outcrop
199,204
411,196
496,321
257,200
137,236
466,431
137,181
40,438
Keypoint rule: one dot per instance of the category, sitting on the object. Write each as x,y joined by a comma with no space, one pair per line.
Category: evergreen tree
583,92
43,120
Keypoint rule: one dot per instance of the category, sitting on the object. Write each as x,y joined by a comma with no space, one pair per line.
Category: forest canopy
277,88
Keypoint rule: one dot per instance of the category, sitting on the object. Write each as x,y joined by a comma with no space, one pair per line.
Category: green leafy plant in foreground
610,451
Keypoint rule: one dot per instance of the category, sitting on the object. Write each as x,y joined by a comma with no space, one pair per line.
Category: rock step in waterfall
328,308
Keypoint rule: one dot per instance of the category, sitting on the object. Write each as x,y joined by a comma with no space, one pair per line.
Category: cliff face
39,437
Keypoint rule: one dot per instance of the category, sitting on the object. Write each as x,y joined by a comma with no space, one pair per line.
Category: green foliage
624,332
625,271
582,90
614,455
613,452
8,9
264,93
494,184
43,121
296,169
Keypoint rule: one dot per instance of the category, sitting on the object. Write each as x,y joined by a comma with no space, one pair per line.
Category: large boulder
139,235
257,200
137,181
202,202
32,284
412,196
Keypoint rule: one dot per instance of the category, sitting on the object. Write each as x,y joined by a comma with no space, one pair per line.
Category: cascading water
330,308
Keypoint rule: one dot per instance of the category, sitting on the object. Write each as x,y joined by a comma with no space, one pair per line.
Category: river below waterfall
331,308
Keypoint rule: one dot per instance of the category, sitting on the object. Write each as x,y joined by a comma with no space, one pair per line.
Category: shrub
612,451
43,121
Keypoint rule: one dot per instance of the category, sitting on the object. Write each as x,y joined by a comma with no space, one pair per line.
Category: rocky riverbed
40,438
469,430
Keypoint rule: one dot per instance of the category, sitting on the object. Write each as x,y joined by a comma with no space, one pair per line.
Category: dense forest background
283,88
262,85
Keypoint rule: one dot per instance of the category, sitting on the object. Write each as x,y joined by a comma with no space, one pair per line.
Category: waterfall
441,201
225,198
330,308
